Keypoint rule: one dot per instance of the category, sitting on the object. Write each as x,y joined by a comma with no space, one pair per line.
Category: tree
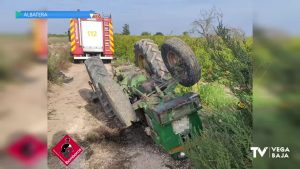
232,64
205,24
126,30
159,34
220,39
185,33
145,33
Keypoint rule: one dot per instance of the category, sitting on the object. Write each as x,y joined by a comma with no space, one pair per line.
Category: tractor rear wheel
181,62
110,94
148,57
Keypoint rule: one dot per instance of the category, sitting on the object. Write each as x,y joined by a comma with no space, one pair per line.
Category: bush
218,97
223,144
58,61
214,96
159,34
145,34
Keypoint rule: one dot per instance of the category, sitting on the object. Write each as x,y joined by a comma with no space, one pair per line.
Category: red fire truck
91,37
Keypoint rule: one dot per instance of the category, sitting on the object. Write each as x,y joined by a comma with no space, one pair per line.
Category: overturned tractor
145,92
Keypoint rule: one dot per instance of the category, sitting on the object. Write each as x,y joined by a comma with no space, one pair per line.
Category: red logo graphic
28,150
67,150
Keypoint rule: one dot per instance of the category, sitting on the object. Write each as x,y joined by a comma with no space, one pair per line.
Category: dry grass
59,58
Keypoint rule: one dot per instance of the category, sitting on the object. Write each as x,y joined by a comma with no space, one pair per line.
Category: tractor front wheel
148,57
181,62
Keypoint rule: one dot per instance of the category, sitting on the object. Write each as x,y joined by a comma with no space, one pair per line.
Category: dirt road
71,111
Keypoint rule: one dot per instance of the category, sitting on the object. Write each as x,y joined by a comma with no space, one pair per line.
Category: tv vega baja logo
272,152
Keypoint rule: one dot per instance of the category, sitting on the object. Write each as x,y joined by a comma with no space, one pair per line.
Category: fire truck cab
91,37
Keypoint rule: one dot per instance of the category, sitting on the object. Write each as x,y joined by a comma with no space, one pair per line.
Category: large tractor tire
148,57
111,96
181,62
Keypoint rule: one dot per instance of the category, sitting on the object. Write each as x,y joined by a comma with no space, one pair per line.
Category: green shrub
215,96
218,97
224,143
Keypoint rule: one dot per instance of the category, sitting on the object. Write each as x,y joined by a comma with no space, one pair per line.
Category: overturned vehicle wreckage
145,92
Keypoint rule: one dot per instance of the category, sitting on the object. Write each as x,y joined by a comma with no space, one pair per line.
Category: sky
283,15
166,16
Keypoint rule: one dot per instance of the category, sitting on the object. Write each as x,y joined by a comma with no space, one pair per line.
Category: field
225,90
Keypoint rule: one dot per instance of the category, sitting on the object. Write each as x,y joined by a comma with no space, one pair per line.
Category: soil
71,111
